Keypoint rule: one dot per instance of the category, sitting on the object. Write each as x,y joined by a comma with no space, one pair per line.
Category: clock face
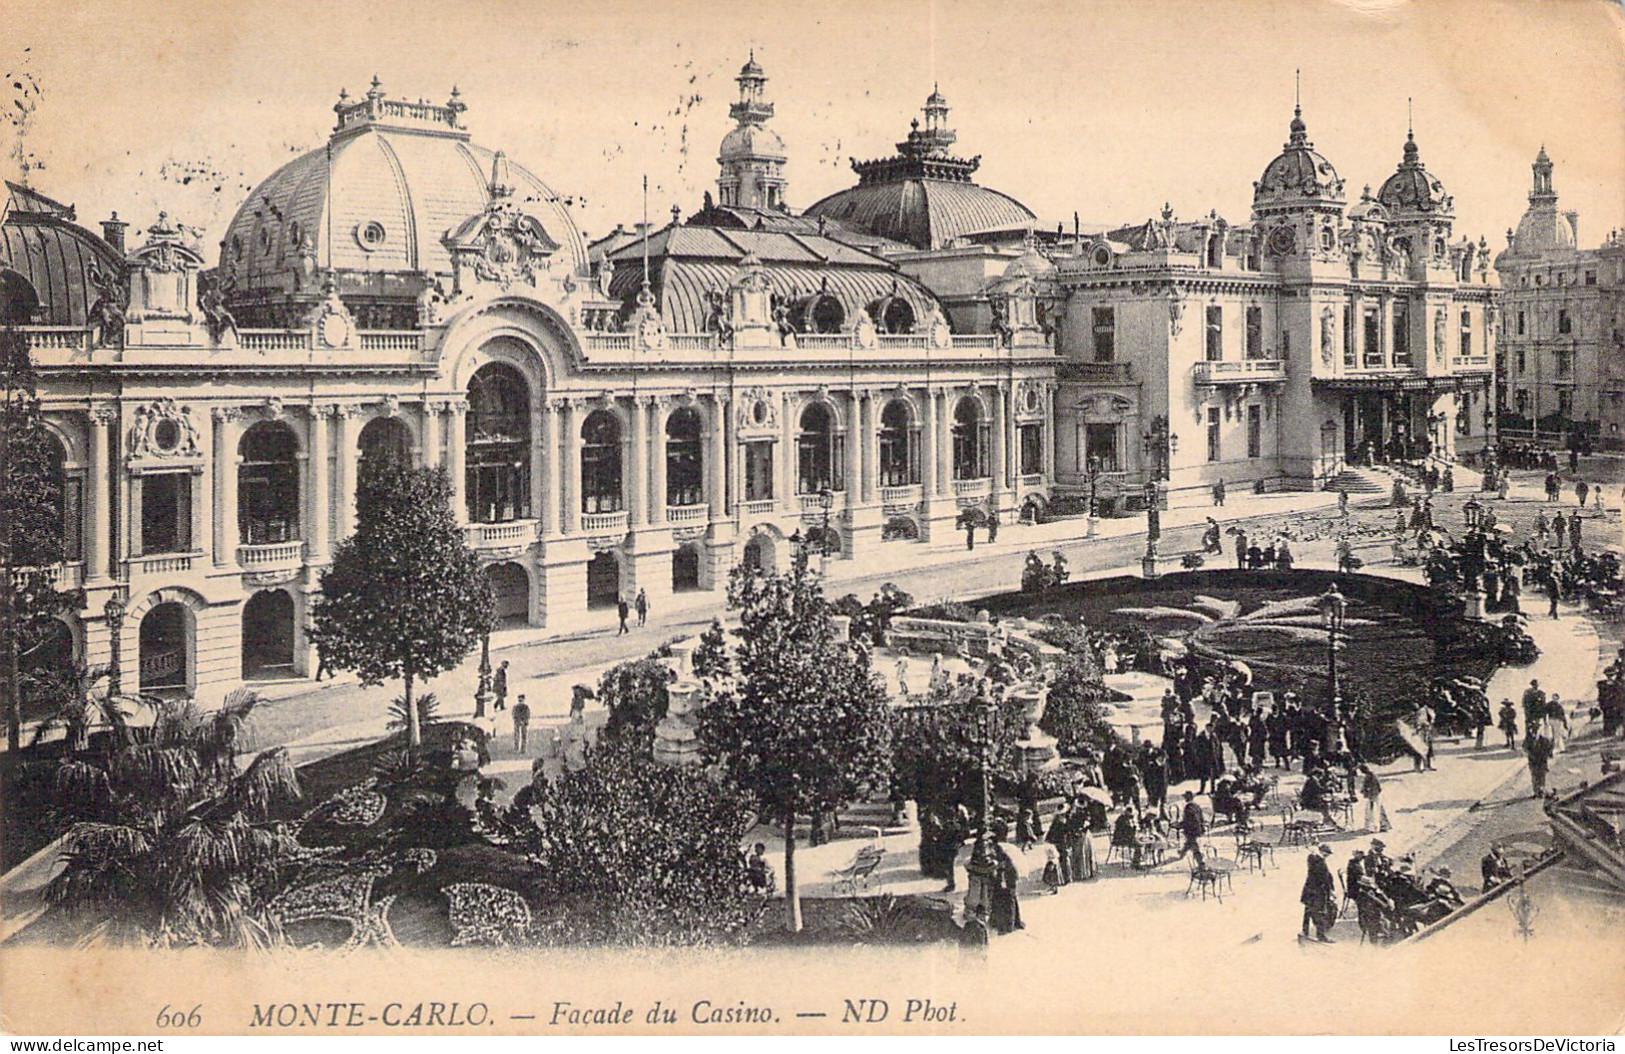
1283,241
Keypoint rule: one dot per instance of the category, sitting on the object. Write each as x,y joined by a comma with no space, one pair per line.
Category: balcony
391,340
66,576
1032,481
57,338
514,533
1246,371
1473,364
603,523
759,507
680,514
1094,372
901,499
269,556
273,339
159,564
968,491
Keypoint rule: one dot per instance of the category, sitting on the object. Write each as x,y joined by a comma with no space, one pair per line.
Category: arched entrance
510,589
268,635
685,568
386,439
760,554
166,648
497,433
603,581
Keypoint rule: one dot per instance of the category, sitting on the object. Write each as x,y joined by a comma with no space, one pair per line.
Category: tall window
1030,439
818,452
1466,334
1349,333
685,482
1213,449
1099,446
899,460
166,512
268,509
1523,361
497,441
969,440
1402,333
1520,323
1105,329
1565,324
759,471
1255,333
1215,333
66,493
1373,336
1255,431
601,463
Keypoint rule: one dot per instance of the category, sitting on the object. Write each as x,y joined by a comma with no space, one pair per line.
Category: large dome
49,265
1413,188
392,180
1299,174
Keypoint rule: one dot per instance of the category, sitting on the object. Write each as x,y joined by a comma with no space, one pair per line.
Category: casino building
645,411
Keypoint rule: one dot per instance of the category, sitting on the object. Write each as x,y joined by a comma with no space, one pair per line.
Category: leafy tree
1076,712
937,748
404,596
30,535
710,657
635,693
806,727
172,843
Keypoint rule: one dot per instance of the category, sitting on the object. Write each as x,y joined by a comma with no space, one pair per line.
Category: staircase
1360,481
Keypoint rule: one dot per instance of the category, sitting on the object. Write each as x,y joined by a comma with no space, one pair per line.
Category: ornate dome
1300,174
1412,188
751,141
1368,208
49,265
393,179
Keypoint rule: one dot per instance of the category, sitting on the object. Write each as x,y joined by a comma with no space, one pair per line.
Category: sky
1106,109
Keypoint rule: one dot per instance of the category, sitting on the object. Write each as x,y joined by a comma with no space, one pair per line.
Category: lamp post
1332,607
826,499
979,870
1092,474
1159,445
113,611
482,692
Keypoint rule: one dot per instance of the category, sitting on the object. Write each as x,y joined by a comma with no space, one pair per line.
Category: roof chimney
113,232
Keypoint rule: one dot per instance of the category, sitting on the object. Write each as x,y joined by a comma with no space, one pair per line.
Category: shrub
710,659
1077,711
948,610
428,706
635,693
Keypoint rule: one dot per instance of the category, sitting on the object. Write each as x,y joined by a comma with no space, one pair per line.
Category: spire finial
1410,121
1297,92
645,298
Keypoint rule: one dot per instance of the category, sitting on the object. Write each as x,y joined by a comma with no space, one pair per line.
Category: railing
692,341
161,665
392,340
814,502
604,522
804,341
907,494
972,488
1032,479
1245,371
57,338
975,340
823,341
1114,372
165,564
609,341
687,513
266,555
761,507
1473,362
485,535
70,575
273,339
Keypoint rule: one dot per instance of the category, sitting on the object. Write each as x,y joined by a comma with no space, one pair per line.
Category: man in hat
1319,897
1495,868
1192,824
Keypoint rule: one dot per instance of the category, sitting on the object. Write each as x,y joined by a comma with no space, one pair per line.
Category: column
1001,446
347,455
716,459
945,442
638,484
320,496
657,459
1051,396
543,449
225,485
98,495
788,486
572,466
859,488
132,526
928,443
459,460
871,446
202,509
431,434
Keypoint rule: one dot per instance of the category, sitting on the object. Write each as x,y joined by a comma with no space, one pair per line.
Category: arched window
385,439
825,315
970,440
899,447
601,463
685,481
892,314
818,452
18,300
268,509
497,443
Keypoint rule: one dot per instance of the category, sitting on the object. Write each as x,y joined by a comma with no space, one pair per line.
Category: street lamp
1159,445
483,693
1332,607
826,499
979,870
113,611
1092,474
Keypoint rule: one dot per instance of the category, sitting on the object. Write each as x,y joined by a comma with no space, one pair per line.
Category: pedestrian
1375,812
1241,549
521,725
1574,531
321,664
1006,905
1560,527
1557,723
1537,750
1554,592
499,686
642,604
1218,492
1319,897
970,534
1192,825
1342,502
1581,491
993,526
623,609
1509,723
1504,486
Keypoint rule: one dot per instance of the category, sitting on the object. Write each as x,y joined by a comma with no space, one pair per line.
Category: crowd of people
1394,898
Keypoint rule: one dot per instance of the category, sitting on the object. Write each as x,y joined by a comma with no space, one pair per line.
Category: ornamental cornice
226,414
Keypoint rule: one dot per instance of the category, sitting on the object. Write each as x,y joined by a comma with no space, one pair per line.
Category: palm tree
174,843
79,699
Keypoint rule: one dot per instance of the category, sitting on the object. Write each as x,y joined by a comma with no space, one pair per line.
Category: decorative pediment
504,245
757,411
163,430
